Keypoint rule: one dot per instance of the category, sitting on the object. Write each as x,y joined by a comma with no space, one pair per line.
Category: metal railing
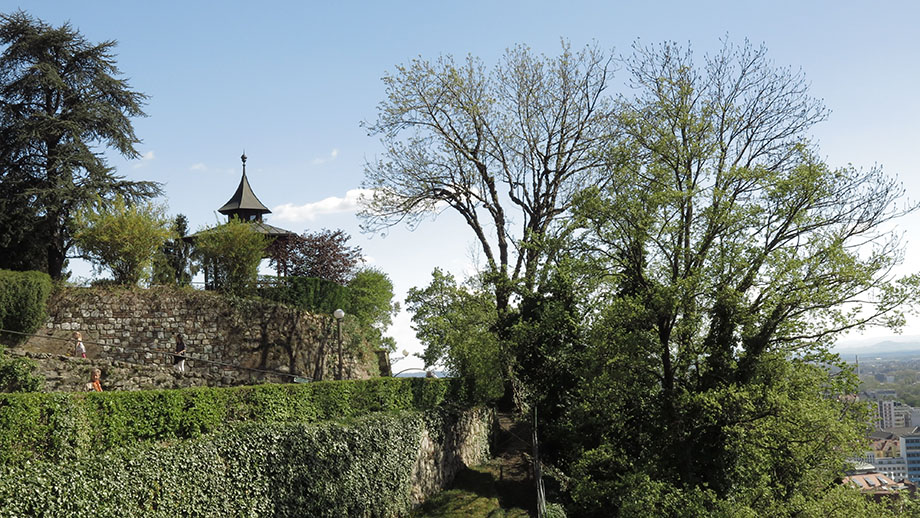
293,377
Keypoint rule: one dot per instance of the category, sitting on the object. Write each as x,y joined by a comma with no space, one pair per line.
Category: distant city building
903,416
894,468
892,414
885,412
885,448
872,482
876,484
910,451
914,415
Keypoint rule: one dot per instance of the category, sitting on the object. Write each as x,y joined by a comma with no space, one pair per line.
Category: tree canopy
123,237
61,101
506,149
456,325
173,263
324,254
229,256
676,340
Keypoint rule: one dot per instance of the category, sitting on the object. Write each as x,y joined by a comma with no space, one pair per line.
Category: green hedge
23,302
59,426
360,467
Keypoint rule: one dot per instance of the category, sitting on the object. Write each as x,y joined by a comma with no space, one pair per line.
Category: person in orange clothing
94,380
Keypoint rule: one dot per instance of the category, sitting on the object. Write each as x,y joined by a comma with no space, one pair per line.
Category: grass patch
474,495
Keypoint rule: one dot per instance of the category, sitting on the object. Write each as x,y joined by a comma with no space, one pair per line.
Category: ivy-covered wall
138,326
346,448
61,426
358,468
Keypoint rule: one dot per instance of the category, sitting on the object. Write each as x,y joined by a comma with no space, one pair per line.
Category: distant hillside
886,348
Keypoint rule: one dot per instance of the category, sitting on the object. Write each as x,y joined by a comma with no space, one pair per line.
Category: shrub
368,297
361,467
64,425
18,374
310,293
23,302
229,255
554,510
122,237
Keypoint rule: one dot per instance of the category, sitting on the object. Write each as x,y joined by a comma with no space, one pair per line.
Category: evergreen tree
61,100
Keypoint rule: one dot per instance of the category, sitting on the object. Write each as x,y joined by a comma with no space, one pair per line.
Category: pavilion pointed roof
244,199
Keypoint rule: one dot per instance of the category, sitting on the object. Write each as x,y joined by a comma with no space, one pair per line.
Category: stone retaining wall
139,326
461,442
68,374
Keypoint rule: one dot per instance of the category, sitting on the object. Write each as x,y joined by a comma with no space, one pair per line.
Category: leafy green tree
122,237
324,255
505,149
173,264
61,102
456,325
230,254
370,300
727,259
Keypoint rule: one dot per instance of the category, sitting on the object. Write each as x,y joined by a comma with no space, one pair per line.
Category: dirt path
511,466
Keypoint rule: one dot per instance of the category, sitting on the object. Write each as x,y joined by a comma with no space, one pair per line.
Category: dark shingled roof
258,226
243,199
268,230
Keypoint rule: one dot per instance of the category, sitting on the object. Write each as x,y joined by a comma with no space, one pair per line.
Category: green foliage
711,274
367,300
62,104
456,324
122,237
370,300
230,255
18,374
554,510
323,254
66,425
23,302
361,467
172,264
310,293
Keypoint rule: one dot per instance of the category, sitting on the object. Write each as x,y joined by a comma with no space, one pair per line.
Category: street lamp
339,315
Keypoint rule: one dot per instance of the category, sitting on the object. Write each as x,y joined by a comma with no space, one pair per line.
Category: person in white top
79,349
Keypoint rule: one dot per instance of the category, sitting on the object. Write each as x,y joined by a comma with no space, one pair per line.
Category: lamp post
339,315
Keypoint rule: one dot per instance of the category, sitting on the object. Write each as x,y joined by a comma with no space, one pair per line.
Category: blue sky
289,82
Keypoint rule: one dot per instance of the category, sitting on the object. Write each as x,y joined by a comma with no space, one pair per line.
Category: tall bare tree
505,149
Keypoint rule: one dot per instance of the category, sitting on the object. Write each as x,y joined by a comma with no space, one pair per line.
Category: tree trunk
537,470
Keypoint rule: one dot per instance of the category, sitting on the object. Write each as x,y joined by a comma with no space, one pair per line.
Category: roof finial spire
243,158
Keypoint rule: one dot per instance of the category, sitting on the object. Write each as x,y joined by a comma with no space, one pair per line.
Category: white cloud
145,158
198,167
330,205
322,160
